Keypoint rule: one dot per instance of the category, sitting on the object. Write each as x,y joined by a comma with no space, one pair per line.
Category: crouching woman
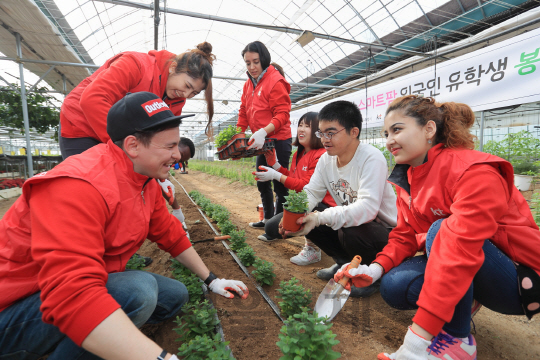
460,208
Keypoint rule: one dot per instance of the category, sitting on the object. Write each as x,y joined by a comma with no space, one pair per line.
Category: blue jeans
146,298
495,285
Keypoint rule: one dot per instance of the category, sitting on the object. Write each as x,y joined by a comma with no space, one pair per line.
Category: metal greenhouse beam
262,26
25,108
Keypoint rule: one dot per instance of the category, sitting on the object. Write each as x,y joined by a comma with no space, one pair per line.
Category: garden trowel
334,294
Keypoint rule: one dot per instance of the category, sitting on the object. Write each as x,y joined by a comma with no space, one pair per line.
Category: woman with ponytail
265,109
460,210
174,78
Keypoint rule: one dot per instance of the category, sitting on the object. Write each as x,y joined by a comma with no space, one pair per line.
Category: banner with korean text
499,75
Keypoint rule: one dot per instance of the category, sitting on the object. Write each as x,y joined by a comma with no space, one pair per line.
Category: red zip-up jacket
474,192
84,111
302,170
268,102
73,226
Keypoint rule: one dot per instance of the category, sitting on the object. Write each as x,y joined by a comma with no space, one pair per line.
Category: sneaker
307,256
445,346
266,237
257,225
365,292
475,307
328,273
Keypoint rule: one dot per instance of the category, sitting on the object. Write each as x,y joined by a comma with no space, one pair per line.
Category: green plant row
197,326
234,170
264,270
304,336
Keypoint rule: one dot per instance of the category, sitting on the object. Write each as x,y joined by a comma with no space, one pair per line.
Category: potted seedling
227,135
294,208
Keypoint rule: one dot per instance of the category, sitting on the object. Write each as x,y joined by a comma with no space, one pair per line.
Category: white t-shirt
359,189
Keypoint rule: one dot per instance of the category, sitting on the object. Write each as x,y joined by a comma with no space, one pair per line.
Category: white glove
220,286
361,276
179,215
257,139
310,221
267,174
165,184
414,348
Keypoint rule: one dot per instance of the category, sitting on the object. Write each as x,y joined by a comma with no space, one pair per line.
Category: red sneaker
446,347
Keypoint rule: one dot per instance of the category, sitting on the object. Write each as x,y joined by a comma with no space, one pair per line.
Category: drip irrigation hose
259,288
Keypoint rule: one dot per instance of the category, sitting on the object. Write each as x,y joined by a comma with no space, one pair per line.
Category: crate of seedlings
238,148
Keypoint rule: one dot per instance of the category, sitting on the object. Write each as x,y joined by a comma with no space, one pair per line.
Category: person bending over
304,160
355,175
65,243
460,209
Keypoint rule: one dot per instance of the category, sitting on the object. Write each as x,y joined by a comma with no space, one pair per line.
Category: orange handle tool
354,264
216,238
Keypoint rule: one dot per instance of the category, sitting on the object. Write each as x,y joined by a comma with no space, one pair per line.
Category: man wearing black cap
65,242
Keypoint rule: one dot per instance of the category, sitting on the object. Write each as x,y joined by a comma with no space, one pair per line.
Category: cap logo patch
154,106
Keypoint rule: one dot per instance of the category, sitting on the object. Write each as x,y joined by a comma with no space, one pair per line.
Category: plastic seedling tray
238,149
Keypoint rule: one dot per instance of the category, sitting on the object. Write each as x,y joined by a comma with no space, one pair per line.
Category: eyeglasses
327,135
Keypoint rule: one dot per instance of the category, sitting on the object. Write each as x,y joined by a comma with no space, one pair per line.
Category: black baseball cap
136,112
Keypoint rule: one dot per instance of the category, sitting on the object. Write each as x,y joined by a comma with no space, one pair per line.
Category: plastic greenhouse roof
91,31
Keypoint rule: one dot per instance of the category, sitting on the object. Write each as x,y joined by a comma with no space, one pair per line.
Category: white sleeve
316,187
372,176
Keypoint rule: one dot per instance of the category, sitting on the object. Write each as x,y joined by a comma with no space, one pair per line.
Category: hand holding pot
361,276
271,159
310,221
257,139
266,174
220,286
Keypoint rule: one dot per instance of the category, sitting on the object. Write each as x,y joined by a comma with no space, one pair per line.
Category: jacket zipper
142,191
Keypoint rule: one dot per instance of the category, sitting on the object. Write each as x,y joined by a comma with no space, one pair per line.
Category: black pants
75,146
342,245
283,154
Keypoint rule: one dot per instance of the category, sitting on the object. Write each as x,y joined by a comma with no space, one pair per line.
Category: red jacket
64,237
268,103
475,193
84,111
296,180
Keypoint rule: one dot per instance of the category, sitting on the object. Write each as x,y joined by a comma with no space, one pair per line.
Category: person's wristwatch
210,278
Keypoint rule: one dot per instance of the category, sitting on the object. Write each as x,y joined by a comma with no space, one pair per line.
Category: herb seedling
226,227
246,255
189,279
296,202
238,239
294,297
264,272
204,348
306,336
136,262
199,319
